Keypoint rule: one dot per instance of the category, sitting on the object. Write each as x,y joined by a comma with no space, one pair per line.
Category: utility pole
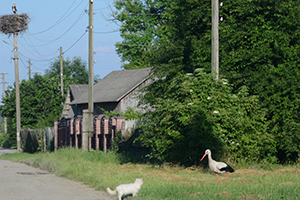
18,110
215,39
29,72
61,73
89,115
3,82
19,24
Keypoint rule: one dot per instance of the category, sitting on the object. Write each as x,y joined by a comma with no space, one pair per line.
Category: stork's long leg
218,178
226,176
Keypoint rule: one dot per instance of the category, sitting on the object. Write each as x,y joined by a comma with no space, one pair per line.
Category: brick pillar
97,131
105,132
56,122
92,134
67,135
77,131
71,132
119,121
113,130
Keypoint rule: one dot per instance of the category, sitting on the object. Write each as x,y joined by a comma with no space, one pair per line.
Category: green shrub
195,113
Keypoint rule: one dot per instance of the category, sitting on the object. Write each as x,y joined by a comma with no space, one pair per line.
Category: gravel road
23,182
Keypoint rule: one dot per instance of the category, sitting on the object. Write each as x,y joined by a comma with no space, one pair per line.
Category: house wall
128,101
131,99
97,108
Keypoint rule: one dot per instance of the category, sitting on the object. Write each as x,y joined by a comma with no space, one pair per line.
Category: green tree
259,44
40,102
259,48
40,97
74,72
139,21
195,113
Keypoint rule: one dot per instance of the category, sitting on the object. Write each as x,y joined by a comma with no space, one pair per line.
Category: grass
100,170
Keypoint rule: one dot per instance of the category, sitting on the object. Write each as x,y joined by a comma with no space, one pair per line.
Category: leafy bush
193,112
279,92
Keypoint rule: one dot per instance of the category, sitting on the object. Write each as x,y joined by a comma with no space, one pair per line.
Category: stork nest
16,23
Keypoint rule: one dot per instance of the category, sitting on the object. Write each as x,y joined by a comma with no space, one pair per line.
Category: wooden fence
34,140
68,132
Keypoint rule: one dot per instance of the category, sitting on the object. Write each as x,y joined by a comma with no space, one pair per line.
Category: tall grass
166,181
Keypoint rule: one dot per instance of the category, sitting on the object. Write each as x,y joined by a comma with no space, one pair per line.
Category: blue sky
54,24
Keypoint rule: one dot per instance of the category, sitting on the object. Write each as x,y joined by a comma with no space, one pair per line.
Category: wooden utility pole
89,115
61,73
215,39
18,110
29,70
3,83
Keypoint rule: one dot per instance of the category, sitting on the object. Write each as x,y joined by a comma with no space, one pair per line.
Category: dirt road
22,182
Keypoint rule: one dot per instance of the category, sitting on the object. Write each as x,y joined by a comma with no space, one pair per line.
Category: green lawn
100,170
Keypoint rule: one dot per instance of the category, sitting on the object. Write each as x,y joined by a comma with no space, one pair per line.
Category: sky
54,24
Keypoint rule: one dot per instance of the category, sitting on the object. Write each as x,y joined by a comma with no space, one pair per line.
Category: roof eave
134,87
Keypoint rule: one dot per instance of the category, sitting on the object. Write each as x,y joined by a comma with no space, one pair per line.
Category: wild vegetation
253,115
195,113
259,44
166,181
40,97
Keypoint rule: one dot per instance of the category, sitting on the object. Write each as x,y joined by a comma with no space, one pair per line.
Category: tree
40,102
40,97
195,113
74,72
173,29
259,40
139,21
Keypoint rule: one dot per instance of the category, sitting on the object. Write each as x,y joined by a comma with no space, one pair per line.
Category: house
115,92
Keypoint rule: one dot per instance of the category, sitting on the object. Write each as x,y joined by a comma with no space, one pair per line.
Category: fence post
105,132
113,125
71,131
98,131
56,122
77,130
85,130
119,121
68,122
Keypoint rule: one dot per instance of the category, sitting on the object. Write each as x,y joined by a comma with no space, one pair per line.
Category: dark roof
77,90
114,86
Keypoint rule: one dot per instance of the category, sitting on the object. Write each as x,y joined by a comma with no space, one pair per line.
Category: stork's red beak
203,157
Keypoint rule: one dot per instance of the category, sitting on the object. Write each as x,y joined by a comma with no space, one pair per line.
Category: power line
34,49
77,20
106,32
61,19
38,60
53,58
75,42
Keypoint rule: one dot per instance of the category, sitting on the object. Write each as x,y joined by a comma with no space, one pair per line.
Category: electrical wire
34,49
24,65
44,60
76,41
61,19
106,32
53,58
77,20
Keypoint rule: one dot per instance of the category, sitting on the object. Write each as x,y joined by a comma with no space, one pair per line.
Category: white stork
14,8
217,167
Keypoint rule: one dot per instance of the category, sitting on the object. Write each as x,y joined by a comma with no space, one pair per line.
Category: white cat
125,189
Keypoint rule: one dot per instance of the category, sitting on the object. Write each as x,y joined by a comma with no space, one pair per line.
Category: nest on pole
15,23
